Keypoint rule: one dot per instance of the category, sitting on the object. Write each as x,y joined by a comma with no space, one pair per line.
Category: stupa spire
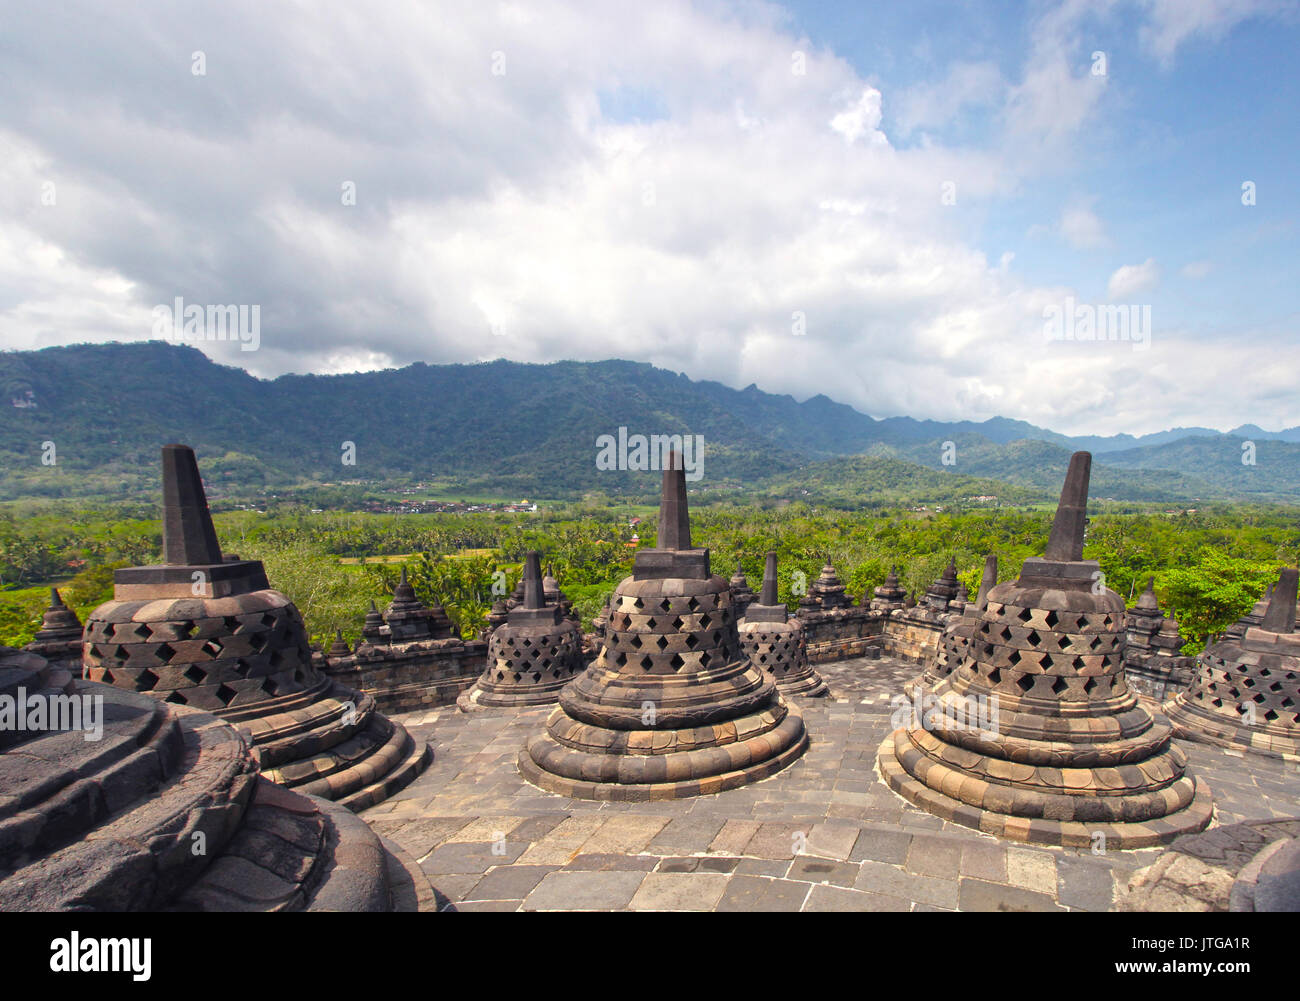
1066,541
674,516
769,596
1280,617
188,536
533,595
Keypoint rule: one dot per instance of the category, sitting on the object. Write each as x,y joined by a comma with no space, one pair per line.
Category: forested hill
511,429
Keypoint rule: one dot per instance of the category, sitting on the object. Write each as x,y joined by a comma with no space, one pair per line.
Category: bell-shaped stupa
533,655
1037,737
207,631
1246,691
774,642
954,642
670,707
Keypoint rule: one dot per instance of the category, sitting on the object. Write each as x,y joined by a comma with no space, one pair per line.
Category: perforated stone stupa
113,823
1246,693
207,631
774,641
1153,660
954,642
532,656
670,707
1066,753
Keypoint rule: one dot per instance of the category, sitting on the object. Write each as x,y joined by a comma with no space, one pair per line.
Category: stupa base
1209,728
808,686
476,699
1194,816
774,742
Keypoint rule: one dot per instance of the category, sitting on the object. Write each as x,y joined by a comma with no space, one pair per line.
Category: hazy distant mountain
509,428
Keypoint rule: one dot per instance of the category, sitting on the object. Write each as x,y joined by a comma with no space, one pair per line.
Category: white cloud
511,216
1132,279
1196,269
1081,228
861,119
1171,23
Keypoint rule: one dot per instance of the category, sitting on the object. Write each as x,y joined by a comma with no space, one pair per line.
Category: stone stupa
532,656
207,631
153,806
59,638
954,642
889,596
741,591
1246,692
774,642
670,707
1038,737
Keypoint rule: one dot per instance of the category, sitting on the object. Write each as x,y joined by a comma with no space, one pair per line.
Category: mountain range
511,429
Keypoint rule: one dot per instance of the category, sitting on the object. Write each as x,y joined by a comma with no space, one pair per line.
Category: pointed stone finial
534,597
188,536
1280,617
950,571
339,648
987,581
769,595
1148,600
1066,541
56,599
674,516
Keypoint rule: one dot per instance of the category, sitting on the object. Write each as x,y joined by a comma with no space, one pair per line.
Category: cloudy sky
885,202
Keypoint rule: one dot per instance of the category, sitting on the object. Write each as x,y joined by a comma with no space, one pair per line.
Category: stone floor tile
680,891
508,882
979,895
584,891
1031,869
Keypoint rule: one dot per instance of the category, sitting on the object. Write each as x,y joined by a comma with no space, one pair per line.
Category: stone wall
841,633
1158,676
411,676
912,634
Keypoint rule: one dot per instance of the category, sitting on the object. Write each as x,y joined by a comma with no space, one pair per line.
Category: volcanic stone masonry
166,811
1070,753
408,658
914,632
534,655
671,707
741,593
207,631
1246,694
774,641
59,638
954,643
1153,659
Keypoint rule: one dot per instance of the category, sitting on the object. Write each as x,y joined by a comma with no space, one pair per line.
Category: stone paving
824,835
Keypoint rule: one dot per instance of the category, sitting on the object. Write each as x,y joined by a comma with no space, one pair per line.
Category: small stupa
59,638
532,656
774,641
1246,692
